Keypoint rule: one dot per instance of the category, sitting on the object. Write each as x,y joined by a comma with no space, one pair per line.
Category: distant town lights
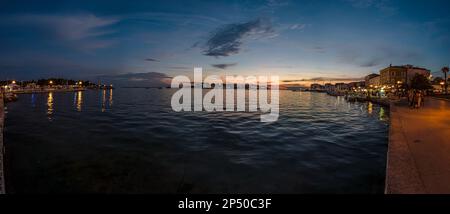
13,82
51,82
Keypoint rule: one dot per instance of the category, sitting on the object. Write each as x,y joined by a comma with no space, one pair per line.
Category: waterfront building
316,86
368,77
341,87
401,74
356,85
329,87
12,87
374,81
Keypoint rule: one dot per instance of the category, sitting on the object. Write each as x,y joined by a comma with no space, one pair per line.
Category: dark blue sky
293,39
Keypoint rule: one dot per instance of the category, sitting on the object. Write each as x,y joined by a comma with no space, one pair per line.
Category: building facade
393,75
375,81
341,86
368,77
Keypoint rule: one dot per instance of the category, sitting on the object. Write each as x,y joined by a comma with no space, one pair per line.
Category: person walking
419,99
411,98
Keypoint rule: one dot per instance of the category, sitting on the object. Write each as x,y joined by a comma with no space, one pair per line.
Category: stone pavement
419,148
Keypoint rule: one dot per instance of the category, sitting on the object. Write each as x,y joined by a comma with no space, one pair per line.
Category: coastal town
10,88
391,83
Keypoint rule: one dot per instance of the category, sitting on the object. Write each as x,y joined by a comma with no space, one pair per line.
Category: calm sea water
130,141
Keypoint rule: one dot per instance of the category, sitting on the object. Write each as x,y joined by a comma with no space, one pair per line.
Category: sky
151,41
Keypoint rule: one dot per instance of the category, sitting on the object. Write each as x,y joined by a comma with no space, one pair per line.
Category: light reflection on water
50,105
319,144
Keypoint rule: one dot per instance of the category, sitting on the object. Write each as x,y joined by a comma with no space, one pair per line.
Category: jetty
2,148
418,153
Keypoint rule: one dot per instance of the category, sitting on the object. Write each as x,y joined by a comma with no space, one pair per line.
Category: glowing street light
13,82
442,83
50,82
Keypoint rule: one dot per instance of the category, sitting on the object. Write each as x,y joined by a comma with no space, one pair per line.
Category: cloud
384,6
149,79
181,67
228,39
379,56
151,60
224,66
297,27
80,31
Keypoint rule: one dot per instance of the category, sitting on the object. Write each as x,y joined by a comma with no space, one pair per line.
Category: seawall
2,148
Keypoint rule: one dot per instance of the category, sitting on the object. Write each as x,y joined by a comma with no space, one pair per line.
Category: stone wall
2,150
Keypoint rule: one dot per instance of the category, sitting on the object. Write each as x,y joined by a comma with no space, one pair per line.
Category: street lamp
50,82
13,82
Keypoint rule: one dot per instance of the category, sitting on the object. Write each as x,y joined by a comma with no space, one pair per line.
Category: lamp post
445,71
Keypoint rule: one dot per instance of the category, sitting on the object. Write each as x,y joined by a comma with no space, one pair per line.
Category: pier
419,147
2,150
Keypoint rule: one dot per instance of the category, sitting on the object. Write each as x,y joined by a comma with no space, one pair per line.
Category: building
12,87
375,81
316,86
355,85
401,74
341,87
329,87
368,77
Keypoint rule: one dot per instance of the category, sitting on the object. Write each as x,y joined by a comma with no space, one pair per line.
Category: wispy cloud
224,66
384,6
151,60
379,56
228,39
297,27
80,31
181,67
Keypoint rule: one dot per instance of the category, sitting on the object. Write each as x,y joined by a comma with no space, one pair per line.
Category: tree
420,82
445,71
437,80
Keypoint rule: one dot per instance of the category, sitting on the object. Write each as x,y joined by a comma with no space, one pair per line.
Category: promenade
419,148
2,115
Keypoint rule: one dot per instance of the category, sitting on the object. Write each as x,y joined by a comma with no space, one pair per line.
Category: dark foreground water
130,141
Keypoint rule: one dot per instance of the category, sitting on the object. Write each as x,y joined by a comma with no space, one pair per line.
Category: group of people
416,98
